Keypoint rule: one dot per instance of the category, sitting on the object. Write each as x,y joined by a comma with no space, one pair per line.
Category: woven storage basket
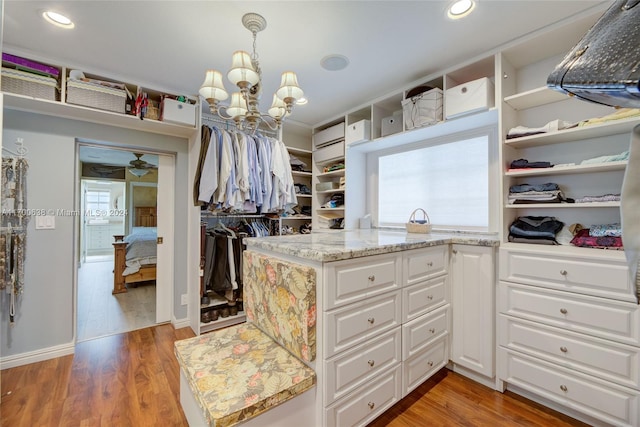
419,225
423,109
96,96
29,84
153,111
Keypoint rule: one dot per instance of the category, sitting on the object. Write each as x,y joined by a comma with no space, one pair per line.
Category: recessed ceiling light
58,19
302,101
460,9
334,62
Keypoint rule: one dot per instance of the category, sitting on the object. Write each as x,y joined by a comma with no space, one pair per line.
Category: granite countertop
332,245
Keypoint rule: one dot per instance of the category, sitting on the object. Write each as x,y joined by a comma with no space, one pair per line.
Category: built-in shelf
297,217
575,134
299,151
303,196
300,173
339,172
330,209
567,250
568,170
92,115
535,98
564,205
223,322
336,190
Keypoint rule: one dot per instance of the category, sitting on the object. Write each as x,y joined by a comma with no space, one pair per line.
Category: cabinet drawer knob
563,311
563,272
429,297
432,330
371,363
372,278
563,349
455,251
371,405
371,320
430,264
563,387
430,363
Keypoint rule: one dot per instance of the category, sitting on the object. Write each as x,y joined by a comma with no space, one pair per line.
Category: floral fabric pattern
236,373
280,298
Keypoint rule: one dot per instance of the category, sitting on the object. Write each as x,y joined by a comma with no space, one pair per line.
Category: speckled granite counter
339,245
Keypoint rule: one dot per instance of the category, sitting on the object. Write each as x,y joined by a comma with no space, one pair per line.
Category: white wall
44,314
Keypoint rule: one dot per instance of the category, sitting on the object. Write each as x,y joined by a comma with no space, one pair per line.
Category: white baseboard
37,356
182,323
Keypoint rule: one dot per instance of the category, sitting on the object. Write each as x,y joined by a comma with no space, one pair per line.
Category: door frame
164,290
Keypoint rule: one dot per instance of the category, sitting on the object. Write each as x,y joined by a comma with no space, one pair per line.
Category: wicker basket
96,96
419,225
153,111
29,84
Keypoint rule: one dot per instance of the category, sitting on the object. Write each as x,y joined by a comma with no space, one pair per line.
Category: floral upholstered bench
234,374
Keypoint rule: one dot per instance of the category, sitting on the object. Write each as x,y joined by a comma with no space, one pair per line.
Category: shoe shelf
564,170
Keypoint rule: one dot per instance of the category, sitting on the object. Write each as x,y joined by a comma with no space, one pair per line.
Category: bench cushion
280,298
238,372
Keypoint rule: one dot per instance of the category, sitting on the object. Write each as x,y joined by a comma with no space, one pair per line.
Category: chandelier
245,73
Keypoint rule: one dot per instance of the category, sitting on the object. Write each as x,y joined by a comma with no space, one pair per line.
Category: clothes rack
230,125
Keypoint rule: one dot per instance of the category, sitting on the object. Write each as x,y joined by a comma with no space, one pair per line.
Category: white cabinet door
473,302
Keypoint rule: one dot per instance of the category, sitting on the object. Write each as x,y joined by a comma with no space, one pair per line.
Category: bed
134,258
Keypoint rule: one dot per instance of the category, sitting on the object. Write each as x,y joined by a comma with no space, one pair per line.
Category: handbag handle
412,218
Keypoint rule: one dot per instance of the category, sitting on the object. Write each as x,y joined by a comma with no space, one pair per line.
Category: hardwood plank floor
132,379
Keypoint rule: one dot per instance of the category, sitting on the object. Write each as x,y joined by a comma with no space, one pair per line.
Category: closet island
384,314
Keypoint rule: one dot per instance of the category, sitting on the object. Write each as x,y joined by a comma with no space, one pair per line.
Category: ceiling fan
140,167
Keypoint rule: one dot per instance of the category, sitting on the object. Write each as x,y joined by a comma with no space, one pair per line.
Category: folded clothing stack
600,236
535,229
539,193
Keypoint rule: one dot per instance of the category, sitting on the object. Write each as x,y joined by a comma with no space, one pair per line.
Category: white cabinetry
329,178
473,302
386,330
100,238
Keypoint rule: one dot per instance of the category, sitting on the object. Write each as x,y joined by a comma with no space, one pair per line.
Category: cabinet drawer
362,363
423,297
366,403
423,365
610,319
421,332
356,323
604,359
329,153
605,401
354,280
606,278
423,264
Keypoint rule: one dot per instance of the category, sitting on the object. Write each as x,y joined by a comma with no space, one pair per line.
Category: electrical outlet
185,299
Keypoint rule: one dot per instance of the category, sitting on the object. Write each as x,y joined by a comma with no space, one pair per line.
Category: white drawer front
329,152
423,297
601,358
366,403
605,401
420,333
610,319
423,365
360,278
353,324
423,264
606,278
362,363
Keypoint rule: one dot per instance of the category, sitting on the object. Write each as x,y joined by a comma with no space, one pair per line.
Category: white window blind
450,181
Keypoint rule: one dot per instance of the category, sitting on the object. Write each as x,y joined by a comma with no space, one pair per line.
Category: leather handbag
604,67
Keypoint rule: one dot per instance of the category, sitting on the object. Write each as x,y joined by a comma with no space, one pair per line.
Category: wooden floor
100,313
132,379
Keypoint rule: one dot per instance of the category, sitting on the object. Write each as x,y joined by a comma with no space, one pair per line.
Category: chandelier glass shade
246,75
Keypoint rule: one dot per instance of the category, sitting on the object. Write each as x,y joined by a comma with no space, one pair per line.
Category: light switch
45,222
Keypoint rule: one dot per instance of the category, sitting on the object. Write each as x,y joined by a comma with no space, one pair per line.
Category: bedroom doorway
98,311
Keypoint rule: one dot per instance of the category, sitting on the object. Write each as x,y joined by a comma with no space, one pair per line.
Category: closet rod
228,124
222,215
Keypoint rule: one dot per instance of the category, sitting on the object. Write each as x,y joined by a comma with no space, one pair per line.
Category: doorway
108,204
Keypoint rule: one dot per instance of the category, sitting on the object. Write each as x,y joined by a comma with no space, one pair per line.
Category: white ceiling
168,45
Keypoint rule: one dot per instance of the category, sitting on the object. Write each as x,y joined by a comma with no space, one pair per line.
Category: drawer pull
432,330
563,388
371,363
563,310
455,251
430,363
372,278
429,297
371,320
563,349
563,272
430,264
371,405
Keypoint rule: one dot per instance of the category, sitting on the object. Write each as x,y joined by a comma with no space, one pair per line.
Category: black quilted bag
604,67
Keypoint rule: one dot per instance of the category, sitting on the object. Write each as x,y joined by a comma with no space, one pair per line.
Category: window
448,178
97,202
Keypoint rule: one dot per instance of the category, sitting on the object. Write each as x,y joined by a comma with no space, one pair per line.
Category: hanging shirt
209,169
